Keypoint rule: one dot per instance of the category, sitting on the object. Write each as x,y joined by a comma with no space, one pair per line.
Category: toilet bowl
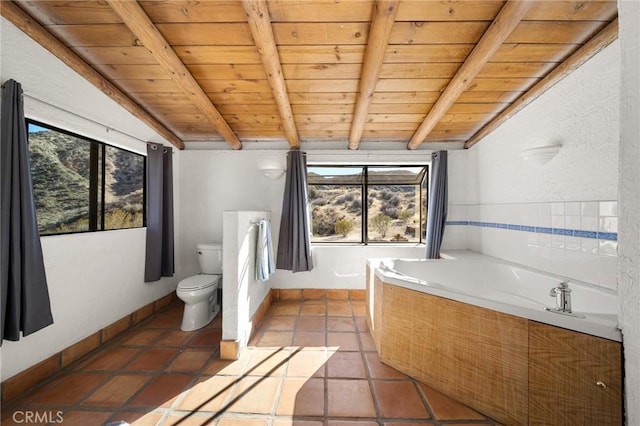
200,292
200,296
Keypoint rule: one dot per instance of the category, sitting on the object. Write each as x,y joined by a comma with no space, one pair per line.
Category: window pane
396,175
394,213
124,186
336,212
60,174
335,175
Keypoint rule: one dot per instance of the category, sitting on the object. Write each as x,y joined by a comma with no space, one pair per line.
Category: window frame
97,181
364,188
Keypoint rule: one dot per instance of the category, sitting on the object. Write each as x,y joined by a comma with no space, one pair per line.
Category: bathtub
505,287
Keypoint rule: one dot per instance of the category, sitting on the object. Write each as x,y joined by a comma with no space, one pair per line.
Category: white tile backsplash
589,223
589,208
608,224
608,208
572,209
580,256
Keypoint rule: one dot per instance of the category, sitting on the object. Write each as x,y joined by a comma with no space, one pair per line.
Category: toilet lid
198,282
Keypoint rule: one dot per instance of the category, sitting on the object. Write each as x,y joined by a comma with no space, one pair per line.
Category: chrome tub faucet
562,293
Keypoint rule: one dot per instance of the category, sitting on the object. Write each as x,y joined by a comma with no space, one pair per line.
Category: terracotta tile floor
313,363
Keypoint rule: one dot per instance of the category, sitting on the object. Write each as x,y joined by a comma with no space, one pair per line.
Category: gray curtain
294,245
160,240
437,204
25,297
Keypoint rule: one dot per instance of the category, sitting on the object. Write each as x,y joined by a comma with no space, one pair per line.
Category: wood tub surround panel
573,370
477,355
514,370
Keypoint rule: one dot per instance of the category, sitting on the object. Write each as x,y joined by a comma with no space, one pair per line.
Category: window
394,211
82,185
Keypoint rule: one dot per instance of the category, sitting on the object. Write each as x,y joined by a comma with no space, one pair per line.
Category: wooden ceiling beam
262,31
502,26
139,23
33,29
573,62
383,19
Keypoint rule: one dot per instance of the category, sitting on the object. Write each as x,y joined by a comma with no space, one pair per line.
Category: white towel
265,263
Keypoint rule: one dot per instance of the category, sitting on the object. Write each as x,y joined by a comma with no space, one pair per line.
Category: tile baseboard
15,386
317,294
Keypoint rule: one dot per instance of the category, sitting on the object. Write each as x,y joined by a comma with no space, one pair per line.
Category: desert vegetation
60,173
393,212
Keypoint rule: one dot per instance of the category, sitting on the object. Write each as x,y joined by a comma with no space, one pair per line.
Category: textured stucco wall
581,113
629,235
94,278
570,192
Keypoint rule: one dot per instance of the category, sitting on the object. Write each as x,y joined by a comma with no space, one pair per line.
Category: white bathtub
505,287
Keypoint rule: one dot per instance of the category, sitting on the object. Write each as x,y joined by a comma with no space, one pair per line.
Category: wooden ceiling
409,71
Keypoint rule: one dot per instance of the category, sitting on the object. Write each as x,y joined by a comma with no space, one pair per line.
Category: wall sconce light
540,155
273,173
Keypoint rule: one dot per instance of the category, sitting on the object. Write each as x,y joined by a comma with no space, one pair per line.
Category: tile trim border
609,236
317,294
15,386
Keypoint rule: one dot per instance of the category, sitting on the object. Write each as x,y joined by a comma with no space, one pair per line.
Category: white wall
629,242
214,181
96,278
576,190
242,293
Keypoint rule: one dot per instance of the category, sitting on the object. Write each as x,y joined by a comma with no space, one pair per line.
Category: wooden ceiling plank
321,71
320,11
26,24
322,86
116,55
457,53
132,71
382,23
516,69
572,10
70,12
262,31
319,33
534,52
507,20
322,54
194,11
228,72
247,109
437,32
218,55
423,70
344,98
587,51
203,34
307,109
554,31
462,10
139,23
94,35
223,98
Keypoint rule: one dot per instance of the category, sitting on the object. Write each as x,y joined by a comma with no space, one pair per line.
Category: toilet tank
210,258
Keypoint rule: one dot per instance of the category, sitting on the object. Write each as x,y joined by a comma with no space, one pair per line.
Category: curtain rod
107,128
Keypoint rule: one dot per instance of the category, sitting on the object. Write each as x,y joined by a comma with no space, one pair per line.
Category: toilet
200,292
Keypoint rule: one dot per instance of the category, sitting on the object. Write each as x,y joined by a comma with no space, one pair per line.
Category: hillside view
60,168
393,208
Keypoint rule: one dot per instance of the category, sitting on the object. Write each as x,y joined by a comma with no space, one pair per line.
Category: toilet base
198,315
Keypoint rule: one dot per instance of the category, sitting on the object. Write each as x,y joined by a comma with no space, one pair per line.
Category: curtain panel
437,215
294,242
159,261
24,295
